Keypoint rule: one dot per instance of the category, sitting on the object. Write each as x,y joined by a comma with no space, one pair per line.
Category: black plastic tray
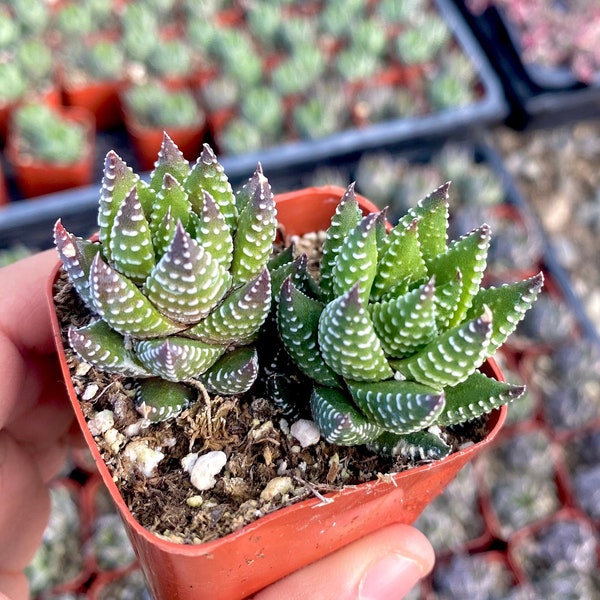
537,96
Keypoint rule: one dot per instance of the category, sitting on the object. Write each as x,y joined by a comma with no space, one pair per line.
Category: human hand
384,565
35,417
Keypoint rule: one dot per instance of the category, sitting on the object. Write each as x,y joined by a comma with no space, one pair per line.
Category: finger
13,586
25,505
384,565
24,315
50,461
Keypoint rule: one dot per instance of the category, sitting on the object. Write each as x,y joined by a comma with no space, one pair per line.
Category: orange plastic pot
36,178
147,141
243,562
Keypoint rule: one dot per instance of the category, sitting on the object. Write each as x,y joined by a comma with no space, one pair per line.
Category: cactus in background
45,134
178,283
394,332
154,105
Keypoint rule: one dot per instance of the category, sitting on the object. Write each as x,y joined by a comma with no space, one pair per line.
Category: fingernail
390,578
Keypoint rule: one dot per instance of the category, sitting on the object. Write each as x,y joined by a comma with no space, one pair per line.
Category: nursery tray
461,122
537,95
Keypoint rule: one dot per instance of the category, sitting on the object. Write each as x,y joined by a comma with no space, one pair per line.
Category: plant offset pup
178,281
394,333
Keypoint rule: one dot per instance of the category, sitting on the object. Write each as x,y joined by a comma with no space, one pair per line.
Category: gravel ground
558,173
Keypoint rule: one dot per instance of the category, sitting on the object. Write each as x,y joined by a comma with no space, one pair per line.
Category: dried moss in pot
140,323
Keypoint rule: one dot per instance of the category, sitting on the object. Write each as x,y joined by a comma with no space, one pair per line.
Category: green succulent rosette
394,332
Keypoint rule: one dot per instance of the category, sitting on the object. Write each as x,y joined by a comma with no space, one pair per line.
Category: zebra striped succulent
177,282
394,333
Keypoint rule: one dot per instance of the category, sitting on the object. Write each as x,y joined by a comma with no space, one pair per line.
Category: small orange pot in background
36,178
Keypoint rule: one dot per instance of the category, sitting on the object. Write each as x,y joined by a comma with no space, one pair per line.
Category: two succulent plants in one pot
264,377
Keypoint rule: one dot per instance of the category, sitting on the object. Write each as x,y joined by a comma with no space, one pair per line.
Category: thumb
384,565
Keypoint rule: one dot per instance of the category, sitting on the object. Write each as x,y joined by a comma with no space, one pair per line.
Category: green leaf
208,175
508,304
348,342
130,244
298,323
99,345
239,316
123,306
398,406
468,255
356,259
177,358
452,356
346,217
234,372
117,181
213,233
286,393
170,206
417,446
170,160
338,420
406,323
187,283
295,270
159,400
476,396
401,260
257,227
447,296
76,255
147,197
432,213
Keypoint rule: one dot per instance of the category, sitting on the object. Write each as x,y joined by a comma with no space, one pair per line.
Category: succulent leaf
452,356
123,306
255,234
170,160
187,283
468,255
346,218
298,323
213,232
406,323
177,358
356,259
475,396
208,175
239,316
401,260
295,270
130,243
508,304
348,341
286,394
447,296
117,181
101,346
398,406
170,205
159,400
76,255
417,446
338,420
432,213
234,372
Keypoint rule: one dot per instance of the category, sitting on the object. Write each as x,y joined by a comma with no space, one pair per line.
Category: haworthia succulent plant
395,330
177,283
